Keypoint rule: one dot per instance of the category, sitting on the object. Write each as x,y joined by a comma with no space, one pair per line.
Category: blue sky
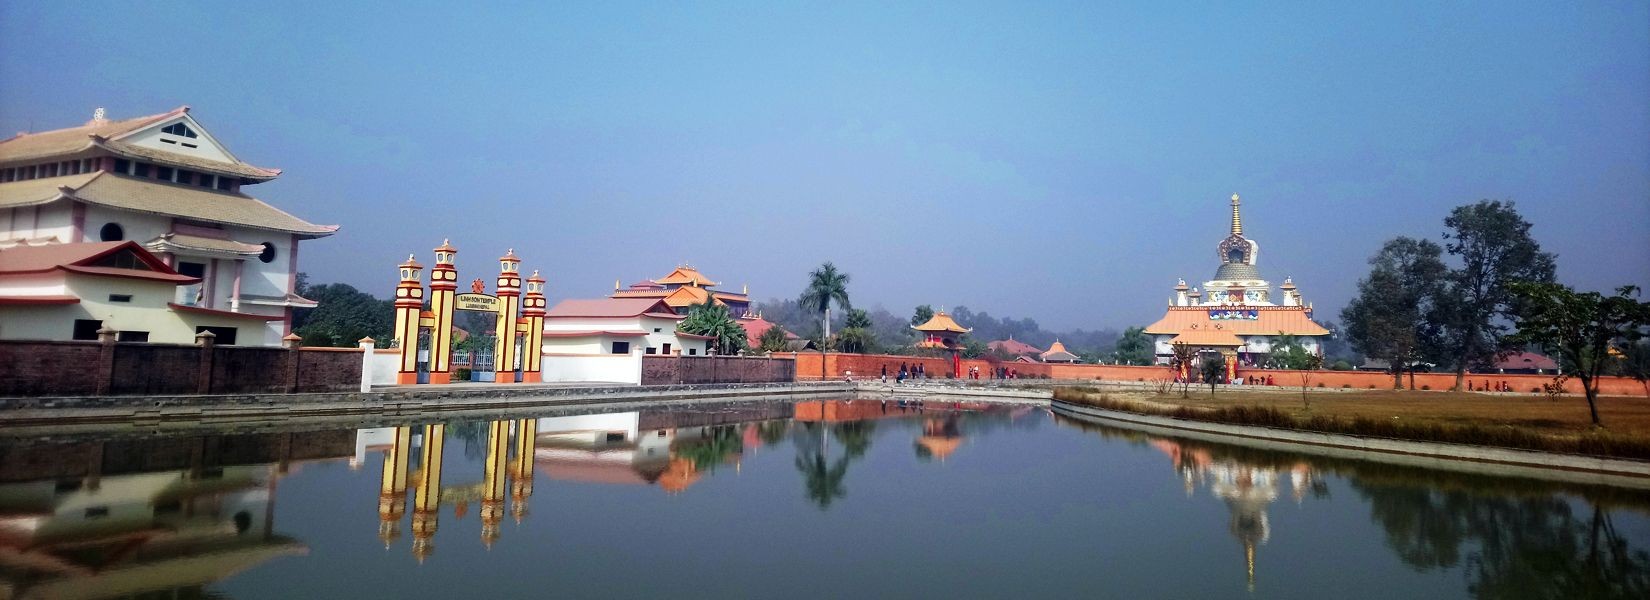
1065,162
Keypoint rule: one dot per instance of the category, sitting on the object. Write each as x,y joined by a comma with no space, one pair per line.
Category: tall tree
1579,326
826,285
857,336
712,319
1287,352
1134,348
1635,363
1392,316
343,316
1495,248
923,314
773,340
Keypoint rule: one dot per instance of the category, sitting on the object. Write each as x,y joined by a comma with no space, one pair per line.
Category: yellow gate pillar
443,286
409,300
532,312
427,500
509,304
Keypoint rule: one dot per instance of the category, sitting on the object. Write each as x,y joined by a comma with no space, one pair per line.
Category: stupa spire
1237,219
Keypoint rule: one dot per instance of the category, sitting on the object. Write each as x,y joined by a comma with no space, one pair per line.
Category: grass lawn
1523,421
1621,414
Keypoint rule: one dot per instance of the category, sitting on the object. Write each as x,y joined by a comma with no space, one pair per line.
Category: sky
1064,162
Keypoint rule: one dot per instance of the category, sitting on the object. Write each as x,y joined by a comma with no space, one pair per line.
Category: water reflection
1513,538
168,517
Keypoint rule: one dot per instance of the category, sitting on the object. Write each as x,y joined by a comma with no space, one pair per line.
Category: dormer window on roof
179,129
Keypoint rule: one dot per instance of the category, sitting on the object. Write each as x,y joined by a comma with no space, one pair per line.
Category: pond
812,499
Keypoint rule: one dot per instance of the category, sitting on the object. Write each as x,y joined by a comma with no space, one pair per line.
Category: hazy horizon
1065,163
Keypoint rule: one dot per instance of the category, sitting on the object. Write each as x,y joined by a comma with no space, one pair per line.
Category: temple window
165,173
179,129
223,183
140,169
123,166
86,329
268,255
111,232
621,347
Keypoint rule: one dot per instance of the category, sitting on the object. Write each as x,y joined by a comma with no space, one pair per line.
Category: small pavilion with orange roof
943,333
685,287
1057,353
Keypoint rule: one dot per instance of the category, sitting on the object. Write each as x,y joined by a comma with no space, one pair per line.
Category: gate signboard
476,302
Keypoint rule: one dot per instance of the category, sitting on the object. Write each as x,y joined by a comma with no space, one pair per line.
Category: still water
816,499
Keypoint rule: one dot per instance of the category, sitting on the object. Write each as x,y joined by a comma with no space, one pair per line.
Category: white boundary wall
593,368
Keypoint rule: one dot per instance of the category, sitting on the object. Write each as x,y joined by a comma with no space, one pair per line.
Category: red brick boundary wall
107,368
677,370
869,366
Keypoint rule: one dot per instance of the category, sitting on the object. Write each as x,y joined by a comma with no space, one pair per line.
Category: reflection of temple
1246,489
152,518
670,449
941,435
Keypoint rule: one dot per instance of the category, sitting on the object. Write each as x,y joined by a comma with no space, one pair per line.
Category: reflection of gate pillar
495,474
392,487
521,485
532,346
443,286
509,303
427,500
409,299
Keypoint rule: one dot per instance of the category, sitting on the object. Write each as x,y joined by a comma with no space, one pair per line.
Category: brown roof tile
143,195
610,308
45,144
942,322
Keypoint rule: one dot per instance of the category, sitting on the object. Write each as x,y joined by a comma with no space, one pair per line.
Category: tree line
1484,290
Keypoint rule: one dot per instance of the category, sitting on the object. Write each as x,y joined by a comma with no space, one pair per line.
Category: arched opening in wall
268,255
111,232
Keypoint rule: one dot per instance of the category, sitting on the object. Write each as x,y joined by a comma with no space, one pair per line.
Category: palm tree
714,320
825,285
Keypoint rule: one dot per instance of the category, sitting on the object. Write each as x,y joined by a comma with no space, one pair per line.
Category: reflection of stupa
1247,491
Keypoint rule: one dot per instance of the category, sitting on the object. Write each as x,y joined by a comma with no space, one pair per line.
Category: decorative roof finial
99,116
615,284
1237,220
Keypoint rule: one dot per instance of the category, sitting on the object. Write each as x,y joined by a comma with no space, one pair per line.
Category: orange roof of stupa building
685,275
941,322
1238,320
1207,338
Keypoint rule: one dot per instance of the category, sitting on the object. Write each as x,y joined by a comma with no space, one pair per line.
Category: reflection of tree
773,432
824,483
719,443
855,436
822,478
1524,547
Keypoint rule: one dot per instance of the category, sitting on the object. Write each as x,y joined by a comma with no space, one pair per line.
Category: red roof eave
223,313
37,300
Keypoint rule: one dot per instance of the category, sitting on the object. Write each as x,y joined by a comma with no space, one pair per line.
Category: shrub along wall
44,368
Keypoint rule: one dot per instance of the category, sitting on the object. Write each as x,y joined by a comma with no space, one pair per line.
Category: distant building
1014,348
70,291
166,183
755,326
685,287
941,332
1057,353
1237,315
618,326
1525,363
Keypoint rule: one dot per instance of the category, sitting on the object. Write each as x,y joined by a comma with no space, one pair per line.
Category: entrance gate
519,335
